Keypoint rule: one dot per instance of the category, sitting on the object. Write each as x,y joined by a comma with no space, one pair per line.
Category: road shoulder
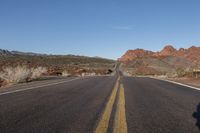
176,82
34,85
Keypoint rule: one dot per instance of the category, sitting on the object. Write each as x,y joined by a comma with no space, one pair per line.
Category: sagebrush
20,73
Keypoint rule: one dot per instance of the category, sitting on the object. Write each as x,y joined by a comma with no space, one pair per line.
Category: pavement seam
31,88
105,118
120,124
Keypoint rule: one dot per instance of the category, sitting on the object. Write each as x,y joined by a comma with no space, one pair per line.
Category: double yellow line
120,125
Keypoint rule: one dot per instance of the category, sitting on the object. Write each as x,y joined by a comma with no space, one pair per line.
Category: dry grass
15,74
66,73
37,72
20,73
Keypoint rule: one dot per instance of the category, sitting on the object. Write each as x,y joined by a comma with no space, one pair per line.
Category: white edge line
20,90
196,88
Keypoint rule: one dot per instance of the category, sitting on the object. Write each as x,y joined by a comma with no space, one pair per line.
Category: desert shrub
65,73
172,75
1,82
37,72
180,72
13,75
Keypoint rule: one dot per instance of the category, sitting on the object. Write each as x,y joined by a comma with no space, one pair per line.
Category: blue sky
105,28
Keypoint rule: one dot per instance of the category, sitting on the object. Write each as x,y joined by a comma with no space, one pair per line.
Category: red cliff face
192,53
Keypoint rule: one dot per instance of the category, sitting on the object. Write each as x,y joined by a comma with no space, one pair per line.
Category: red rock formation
193,53
168,51
133,54
181,52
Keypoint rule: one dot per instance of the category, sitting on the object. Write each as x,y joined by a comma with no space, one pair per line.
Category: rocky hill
192,53
168,60
134,54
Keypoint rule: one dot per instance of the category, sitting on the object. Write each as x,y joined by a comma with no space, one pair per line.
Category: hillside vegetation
16,68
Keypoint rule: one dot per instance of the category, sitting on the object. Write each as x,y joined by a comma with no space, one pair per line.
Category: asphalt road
81,105
70,107
154,106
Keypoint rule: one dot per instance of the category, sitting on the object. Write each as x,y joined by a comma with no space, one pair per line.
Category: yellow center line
120,124
104,121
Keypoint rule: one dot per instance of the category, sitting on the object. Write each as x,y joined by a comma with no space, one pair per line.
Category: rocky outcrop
133,54
192,54
168,50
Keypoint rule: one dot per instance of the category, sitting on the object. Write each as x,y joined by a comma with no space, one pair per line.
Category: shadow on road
196,115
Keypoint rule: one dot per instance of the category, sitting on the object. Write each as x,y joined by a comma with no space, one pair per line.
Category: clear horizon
98,28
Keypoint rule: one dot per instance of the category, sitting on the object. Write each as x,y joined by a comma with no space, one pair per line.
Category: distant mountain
5,52
167,60
11,53
27,53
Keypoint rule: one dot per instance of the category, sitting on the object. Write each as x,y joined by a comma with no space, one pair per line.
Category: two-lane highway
70,107
101,104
